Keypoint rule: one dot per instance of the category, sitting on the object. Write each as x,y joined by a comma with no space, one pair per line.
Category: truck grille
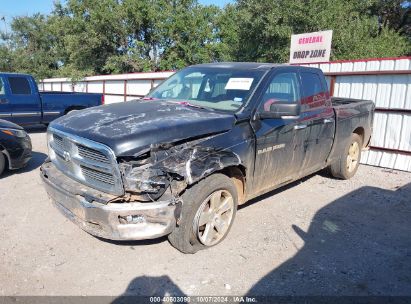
98,176
86,161
58,141
92,154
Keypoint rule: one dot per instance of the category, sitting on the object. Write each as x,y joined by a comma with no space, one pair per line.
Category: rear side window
19,86
312,84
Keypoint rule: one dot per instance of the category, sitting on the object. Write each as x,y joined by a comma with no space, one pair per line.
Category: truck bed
351,114
55,104
341,101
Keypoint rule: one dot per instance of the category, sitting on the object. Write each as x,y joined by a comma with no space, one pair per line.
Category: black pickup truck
206,140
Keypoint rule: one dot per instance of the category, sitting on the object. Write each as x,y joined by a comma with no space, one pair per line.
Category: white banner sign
311,47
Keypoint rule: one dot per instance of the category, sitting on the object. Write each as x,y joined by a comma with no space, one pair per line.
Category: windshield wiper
149,98
186,103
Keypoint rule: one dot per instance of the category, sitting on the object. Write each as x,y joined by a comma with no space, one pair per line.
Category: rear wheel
208,212
2,163
347,164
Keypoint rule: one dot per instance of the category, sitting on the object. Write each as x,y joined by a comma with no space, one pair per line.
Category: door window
282,88
313,89
19,86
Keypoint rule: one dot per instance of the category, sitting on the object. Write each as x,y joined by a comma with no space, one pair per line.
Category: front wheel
347,164
209,209
2,163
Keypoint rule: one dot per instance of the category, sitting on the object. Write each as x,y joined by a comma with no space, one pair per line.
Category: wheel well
360,132
237,175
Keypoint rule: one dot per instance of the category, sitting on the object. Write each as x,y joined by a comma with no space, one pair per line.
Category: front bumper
92,211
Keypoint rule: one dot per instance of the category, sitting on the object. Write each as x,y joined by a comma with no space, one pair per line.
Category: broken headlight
144,180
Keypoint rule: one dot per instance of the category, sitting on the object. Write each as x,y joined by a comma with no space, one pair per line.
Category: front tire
2,163
208,212
347,164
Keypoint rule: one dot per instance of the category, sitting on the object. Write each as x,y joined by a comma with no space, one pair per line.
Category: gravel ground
318,236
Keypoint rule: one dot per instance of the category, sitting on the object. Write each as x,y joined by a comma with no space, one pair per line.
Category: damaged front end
106,215
166,170
153,182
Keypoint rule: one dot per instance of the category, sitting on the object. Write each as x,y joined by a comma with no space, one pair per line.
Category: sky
12,8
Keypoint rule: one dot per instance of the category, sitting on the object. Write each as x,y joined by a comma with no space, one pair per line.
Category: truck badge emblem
66,156
271,148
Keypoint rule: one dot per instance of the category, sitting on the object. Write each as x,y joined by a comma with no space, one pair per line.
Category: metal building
387,82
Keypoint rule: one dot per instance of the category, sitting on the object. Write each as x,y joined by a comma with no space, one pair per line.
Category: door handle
328,120
4,100
300,127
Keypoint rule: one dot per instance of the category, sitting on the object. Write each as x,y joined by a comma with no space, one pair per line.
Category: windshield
215,88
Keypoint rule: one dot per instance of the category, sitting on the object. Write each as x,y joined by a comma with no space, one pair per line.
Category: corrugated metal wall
386,81
116,88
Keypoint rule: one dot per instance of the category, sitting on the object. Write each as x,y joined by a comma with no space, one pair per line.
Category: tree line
89,37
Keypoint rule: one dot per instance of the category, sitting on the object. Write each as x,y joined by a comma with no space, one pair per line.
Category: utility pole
6,37
3,18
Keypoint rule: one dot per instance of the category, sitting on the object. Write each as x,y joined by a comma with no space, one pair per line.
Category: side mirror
278,110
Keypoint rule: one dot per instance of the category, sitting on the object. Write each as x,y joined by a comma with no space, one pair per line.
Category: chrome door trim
51,113
25,114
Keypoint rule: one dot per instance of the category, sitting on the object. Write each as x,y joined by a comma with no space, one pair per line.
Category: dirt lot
319,236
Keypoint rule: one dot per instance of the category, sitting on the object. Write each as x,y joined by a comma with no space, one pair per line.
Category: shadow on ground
278,190
134,243
150,286
358,245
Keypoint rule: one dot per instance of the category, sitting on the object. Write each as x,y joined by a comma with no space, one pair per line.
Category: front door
5,106
26,106
277,139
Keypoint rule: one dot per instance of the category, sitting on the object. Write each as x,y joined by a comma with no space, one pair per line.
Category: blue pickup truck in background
22,103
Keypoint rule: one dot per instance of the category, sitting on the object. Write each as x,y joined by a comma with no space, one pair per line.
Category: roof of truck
14,74
241,65
249,65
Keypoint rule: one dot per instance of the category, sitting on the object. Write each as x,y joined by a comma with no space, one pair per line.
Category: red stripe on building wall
357,60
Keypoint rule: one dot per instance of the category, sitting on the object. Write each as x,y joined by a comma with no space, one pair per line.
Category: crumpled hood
131,127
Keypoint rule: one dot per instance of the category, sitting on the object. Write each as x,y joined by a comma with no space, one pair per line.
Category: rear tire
2,163
207,215
347,164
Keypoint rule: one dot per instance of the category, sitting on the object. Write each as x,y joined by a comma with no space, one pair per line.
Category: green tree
30,48
90,33
265,27
356,31
394,14
88,37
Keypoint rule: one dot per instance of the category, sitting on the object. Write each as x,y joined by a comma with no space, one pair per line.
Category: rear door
5,105
317,121
276,158
25,105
